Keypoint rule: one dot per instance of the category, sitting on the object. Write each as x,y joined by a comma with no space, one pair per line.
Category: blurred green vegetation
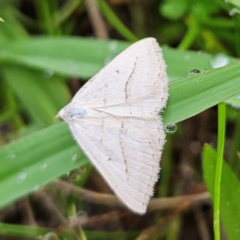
48,49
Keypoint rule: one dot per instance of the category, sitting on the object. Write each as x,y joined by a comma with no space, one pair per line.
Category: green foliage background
39,52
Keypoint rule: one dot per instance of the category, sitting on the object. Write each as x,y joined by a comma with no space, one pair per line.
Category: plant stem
218,170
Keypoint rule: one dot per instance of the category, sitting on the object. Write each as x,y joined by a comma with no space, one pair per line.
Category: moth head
70,112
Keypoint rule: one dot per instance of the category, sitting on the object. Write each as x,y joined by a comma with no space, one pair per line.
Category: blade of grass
191,34
230,191
37,85
66,11
32,232
83,57
218,170
205,90
40,101
115,22
37,159
43,9
21,231
78,57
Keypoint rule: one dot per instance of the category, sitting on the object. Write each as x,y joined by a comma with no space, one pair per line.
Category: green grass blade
43,53
32,232
35,160
218,169
83,57
40,96
78,57
192,95
21,231
230,192
115,22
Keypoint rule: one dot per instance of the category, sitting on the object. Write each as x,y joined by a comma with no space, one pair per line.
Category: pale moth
115,119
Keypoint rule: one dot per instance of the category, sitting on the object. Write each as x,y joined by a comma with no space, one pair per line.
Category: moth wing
134,83
126,152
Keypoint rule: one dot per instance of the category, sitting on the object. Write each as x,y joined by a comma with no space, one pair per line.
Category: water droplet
74,157
73,67
235,107
49,236
21,177
200,52
48,73
215,223
186,57
11,155
43,166
204,70
81,213
193,72
171,128
36,187
112,46
219,60
238,97
44,58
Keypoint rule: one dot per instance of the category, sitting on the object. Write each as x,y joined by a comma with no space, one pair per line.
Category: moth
115,119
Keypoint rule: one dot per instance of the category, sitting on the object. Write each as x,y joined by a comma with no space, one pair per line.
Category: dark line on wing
127,82
123,153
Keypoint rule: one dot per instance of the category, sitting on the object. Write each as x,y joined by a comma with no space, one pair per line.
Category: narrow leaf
230,192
